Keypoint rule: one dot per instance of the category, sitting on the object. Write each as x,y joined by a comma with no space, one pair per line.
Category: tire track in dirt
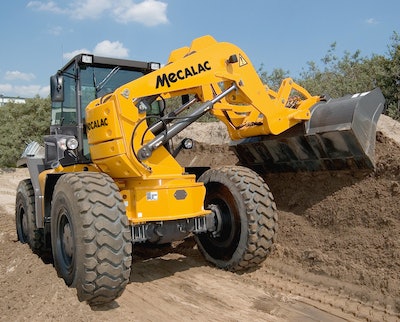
336,301
265,294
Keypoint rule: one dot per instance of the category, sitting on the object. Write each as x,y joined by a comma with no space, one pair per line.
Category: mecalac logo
181,74
96,123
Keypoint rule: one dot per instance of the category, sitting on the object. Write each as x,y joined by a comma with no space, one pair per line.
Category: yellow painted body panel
123,122
163,199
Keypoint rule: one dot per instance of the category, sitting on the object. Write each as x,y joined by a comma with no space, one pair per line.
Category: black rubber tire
90,236
248,218
25,220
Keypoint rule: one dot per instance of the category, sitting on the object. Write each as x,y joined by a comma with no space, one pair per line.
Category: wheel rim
223,244
67,241
65,244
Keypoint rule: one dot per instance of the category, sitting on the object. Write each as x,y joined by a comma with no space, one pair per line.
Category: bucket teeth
340,135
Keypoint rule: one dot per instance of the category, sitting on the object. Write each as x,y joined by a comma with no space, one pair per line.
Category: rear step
340,135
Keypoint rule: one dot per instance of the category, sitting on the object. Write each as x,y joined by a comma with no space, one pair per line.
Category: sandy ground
337,257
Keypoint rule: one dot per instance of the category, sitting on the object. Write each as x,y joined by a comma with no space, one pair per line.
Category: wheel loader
106,177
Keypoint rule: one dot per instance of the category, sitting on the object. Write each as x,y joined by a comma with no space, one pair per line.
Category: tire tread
260,211
105,236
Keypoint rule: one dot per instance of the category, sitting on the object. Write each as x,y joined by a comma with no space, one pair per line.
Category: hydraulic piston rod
162,138
157,127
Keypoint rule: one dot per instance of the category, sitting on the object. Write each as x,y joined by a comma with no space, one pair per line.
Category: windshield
95,82
99,81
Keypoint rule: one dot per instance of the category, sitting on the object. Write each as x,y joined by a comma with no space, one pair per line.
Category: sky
39,37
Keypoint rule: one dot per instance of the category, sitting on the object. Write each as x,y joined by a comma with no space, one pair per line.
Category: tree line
333,75
351,73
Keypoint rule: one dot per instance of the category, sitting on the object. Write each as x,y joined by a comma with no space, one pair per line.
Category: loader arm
221,77
223,80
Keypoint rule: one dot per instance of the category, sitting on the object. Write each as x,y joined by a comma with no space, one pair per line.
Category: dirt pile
345,226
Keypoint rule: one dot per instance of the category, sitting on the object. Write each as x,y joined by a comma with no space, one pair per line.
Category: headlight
187,143
155,66
72,143
87,59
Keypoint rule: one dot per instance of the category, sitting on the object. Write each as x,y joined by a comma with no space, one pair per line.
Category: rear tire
90,236
246,218
25,219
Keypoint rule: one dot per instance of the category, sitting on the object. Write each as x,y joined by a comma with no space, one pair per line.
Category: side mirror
57,88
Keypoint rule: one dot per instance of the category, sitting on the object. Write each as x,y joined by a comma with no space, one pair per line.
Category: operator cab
83,79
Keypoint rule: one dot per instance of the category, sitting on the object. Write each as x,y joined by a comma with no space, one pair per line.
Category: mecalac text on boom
182,74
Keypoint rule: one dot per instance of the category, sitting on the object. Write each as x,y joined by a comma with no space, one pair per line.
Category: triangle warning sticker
242,61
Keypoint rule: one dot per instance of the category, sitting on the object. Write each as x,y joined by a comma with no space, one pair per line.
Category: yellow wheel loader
106,177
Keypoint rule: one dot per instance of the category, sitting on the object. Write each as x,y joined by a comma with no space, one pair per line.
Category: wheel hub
218,220
67,240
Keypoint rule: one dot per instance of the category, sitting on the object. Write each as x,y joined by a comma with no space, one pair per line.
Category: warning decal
242,61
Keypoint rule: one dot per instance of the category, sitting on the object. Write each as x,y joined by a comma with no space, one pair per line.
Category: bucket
340,135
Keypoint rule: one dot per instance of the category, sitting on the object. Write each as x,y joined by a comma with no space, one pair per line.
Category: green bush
21,124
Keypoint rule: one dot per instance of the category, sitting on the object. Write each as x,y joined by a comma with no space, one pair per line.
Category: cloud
106,48
109,48
24,90
70,55
55,31
146,12
12,87
5,89
32,90
49,6
17,75
371,21
90,8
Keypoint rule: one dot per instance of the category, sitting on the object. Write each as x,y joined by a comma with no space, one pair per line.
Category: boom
341,134
218,74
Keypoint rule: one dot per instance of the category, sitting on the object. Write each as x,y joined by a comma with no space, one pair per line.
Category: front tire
246,218
90,236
